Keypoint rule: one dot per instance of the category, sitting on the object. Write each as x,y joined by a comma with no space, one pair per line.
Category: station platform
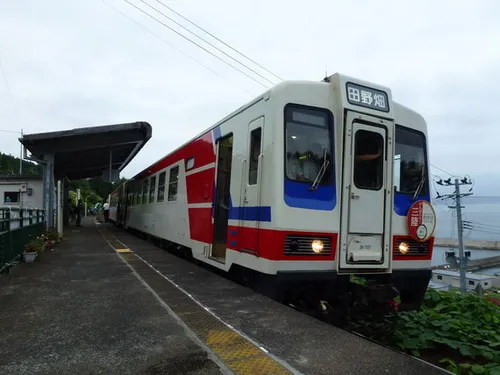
105,301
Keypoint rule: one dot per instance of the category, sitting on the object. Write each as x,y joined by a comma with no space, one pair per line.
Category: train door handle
354,196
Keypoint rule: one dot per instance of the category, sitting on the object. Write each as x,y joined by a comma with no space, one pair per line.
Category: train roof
401,112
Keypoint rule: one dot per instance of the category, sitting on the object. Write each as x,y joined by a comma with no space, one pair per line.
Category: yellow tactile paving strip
239,354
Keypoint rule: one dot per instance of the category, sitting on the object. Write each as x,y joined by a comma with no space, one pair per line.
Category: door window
368,160
255,140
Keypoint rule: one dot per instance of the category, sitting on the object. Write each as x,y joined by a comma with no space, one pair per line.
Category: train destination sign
367,97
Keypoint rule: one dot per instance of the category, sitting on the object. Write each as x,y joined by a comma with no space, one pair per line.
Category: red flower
394,305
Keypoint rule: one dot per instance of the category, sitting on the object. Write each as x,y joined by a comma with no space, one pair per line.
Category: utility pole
462,257
21,157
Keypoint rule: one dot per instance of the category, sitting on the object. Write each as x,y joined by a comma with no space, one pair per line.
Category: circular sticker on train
421,221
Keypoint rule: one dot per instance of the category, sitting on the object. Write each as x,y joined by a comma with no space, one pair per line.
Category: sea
481,216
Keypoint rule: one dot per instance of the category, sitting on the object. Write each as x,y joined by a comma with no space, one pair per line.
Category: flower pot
29,257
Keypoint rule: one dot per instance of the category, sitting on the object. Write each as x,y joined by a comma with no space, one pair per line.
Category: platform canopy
91,151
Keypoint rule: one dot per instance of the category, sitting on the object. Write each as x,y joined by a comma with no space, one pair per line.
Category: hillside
93,190
9,165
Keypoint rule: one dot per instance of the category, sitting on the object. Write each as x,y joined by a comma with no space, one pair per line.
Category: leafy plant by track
458,332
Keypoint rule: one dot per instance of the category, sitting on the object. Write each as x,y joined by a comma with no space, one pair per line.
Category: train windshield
410,162
307,137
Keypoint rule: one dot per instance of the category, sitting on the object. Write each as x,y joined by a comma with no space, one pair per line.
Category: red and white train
310,182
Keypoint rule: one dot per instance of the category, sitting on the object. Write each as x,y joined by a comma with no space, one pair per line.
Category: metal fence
17,227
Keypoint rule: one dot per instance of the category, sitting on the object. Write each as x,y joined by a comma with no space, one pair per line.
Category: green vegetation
9,165
452,330
92,190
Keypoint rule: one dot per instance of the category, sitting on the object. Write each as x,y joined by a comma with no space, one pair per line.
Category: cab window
308,140
410,161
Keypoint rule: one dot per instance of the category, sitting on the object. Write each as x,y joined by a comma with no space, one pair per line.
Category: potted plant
52,237
31,250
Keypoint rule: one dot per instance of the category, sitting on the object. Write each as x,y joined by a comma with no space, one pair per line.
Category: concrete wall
31,198
469,244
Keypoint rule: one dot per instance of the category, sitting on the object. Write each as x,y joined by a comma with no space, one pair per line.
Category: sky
67,64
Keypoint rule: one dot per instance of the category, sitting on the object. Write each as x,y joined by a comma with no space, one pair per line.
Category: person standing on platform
106,211
79,210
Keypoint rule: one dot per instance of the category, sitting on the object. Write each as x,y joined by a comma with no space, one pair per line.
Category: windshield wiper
321,173
420,184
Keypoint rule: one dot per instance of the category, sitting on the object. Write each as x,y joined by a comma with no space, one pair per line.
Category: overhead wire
172,46
196,44
199,37
221,41
442,170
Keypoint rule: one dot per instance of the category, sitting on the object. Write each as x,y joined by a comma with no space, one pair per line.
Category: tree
9,165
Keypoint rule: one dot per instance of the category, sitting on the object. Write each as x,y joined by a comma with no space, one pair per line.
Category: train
310,183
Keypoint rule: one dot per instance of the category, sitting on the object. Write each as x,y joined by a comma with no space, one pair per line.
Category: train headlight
317,246
403,247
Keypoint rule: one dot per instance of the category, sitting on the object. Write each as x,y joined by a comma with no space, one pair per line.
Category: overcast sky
75,63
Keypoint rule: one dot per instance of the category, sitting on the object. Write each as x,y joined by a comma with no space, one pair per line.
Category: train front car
341,211
414,219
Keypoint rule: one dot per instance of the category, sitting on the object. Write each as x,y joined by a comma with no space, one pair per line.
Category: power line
196,44
213,36
172,46
442,170
10,131
199,37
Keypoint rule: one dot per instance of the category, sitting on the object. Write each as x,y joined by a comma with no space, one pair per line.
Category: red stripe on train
200,224
201,149
267,243
270,243
200,186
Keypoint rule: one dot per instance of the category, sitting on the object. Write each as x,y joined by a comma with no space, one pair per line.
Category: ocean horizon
481,214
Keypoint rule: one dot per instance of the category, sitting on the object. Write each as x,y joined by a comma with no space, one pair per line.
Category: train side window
161,187
145,191
173,181
152,189
189,163
255,149
369,157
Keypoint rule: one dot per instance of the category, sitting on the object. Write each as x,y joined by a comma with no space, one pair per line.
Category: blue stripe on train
250,213
217,133
403,202
297,194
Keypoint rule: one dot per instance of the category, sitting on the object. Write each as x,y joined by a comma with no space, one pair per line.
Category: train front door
221,206
367,203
